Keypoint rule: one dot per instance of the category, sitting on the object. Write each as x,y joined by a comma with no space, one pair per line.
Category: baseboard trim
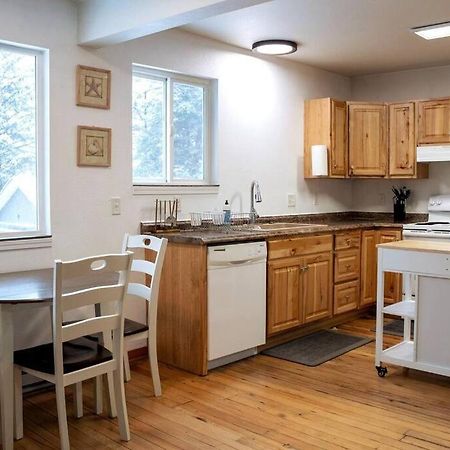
137,353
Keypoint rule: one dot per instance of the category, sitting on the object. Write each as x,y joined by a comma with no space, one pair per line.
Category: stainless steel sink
281,226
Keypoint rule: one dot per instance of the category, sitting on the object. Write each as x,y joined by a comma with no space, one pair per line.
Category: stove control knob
439,202
432,203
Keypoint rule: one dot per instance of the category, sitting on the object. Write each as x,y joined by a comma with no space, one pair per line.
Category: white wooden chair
72,358
134,330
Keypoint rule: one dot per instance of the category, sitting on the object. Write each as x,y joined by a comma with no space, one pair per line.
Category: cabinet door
392,281
402,142
434,122
368,267
316,287
338,153
283,297
367,140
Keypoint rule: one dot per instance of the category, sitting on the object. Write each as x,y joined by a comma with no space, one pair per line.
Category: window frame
170,78
42,152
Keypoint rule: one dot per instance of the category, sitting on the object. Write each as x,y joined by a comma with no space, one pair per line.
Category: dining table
18,291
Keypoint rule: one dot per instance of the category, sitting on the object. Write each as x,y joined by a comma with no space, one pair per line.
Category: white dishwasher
236,301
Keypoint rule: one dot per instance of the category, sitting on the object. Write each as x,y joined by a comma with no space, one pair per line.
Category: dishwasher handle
240,262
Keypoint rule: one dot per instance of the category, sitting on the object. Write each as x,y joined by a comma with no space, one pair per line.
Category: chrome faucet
255,196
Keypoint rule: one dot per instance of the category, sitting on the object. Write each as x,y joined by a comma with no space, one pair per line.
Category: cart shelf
406,308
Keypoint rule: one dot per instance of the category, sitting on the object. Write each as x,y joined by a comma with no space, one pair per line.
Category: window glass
188,126
170,128
149,129
18,142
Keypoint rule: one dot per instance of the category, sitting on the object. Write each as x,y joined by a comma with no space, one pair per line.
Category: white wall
260,132
399,86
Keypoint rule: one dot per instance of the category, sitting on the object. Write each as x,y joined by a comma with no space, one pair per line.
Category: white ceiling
351,37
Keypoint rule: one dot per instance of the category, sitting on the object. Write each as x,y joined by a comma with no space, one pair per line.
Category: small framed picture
93,87
94,146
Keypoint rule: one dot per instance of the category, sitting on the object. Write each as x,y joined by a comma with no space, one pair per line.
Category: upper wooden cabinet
367,140
402,140
326,123
434,121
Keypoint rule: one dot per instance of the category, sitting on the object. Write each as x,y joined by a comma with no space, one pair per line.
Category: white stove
438,225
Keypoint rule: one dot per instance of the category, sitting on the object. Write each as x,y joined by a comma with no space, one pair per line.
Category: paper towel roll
319,160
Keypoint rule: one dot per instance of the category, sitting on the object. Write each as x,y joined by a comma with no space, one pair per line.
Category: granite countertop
309,224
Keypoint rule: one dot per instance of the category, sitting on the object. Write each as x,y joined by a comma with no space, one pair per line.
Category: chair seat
131,327
77,354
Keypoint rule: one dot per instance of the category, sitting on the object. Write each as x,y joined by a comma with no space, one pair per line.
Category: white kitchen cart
429,349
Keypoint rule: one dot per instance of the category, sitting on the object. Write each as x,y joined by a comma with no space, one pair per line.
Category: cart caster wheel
382,371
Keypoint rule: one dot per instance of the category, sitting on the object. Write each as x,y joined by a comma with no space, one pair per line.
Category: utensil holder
399,211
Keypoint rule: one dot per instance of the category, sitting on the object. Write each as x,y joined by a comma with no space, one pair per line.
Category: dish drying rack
210,220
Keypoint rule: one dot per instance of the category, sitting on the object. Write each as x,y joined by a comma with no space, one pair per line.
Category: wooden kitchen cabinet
326,123
392,281
367,140
284,302
300,281
402,143
368,267
346,297
347,261
434,121
316,287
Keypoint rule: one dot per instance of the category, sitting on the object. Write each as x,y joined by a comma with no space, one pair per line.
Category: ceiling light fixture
435,31
275,47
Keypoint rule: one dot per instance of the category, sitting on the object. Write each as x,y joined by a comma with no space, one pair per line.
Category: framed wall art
93,87
94,146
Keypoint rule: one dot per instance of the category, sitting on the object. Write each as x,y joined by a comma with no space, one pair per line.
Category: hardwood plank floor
264,403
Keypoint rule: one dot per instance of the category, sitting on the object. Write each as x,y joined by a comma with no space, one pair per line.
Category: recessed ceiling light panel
436,31
275,47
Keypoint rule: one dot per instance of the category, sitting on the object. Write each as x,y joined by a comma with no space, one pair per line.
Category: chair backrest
98,280
149,268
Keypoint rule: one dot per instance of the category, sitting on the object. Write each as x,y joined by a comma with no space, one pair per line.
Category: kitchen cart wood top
418,246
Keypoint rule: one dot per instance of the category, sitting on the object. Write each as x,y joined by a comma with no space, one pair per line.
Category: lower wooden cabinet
300,287
393,282
284,301
346,297
368,267
316,285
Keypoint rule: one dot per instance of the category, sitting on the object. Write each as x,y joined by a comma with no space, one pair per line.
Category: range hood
433,153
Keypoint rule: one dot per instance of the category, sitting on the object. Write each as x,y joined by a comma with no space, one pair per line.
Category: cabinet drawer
346,297
283,248
345,241
346,265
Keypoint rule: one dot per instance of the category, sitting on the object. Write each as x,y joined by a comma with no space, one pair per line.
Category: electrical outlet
315,199
115,206
292,200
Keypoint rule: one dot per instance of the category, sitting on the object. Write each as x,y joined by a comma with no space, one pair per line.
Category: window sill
25,243
170,189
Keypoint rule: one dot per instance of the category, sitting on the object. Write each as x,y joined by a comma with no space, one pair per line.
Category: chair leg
119,389
62,416
111,396
126,366
78,399
18,404
98,394
153,358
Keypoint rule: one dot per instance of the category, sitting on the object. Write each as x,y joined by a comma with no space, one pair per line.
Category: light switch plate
115,206
292,200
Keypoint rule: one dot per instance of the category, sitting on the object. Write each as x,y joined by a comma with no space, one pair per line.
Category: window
171,128
23,184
